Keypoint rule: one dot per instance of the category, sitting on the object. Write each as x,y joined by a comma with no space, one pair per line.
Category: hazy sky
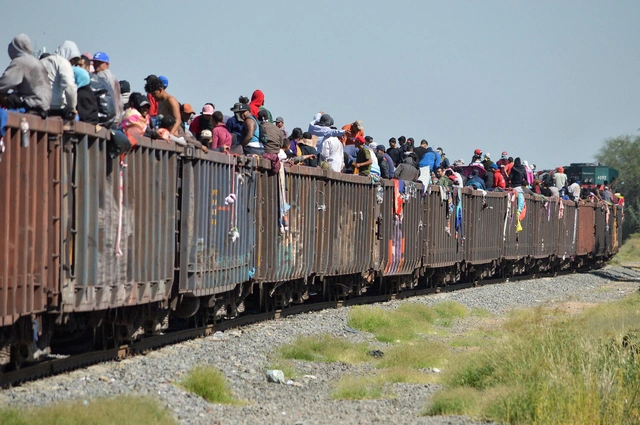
544,80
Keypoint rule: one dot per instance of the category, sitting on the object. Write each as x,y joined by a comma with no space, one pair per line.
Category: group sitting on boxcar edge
81,86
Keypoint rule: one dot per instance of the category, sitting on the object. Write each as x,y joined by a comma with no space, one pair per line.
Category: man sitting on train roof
250,138
559,178
28,79
443,179
475,181
364,161
408,169
351,131
321,127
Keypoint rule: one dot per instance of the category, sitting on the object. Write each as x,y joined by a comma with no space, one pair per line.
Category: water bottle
24,129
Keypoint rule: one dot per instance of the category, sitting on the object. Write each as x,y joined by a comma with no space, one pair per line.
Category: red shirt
153,105
221,137
498,180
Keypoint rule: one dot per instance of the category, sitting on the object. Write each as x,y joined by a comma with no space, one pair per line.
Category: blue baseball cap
164,80
101,57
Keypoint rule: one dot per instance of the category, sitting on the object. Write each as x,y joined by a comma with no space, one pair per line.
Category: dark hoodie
408,170
27,75
518,175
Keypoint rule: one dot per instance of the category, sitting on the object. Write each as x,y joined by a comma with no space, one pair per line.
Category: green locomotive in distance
592,175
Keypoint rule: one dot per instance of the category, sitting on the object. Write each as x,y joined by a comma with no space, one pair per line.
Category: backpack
263,135
106,105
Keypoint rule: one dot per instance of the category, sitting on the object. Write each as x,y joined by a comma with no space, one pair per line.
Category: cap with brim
101,57
279,119
145,102
360,139
188,109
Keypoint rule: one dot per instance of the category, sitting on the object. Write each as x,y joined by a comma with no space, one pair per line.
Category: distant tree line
623,154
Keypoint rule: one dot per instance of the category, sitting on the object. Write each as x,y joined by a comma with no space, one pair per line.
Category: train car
109,249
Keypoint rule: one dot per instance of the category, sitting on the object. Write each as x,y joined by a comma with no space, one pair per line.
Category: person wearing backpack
87,103
104,95
271,138
250,138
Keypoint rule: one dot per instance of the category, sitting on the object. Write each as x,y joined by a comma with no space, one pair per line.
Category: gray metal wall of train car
401,236
211,261
518,244
586,241
567,231
442,248
29,218
483,221
332,220
99,273
544,215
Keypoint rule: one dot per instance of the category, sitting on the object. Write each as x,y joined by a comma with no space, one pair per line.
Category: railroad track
52,367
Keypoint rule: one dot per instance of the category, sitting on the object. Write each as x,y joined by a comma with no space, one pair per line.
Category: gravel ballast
243,354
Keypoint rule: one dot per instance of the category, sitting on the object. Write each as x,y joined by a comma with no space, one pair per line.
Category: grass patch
629,251
406,375
324,348
552,368
359,388
121,410
415,355
407,322
458,401
449,311
209,383
473,339
402,324
480,312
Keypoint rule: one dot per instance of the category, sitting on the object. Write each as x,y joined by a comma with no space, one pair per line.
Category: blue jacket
392,168
431,158
321,132
477,182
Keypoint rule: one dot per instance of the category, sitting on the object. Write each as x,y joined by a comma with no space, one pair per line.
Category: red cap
361,140
478,152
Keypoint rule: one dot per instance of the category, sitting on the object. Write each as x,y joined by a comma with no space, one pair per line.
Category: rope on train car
230,200
123,165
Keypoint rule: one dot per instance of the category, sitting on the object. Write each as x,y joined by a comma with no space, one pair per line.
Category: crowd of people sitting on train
80,86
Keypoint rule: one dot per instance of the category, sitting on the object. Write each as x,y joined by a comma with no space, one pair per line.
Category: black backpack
106,105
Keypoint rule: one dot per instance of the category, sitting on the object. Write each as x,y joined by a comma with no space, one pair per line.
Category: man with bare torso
167,104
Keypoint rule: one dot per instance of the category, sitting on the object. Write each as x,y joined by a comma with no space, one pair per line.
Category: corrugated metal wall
442,248
401,235
29,218
586,241
217,230
601,230
518,244
567,230
483,224
286,252
544,214
119,222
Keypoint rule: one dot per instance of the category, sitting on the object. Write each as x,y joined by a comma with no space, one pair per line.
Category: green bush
121,410
208,383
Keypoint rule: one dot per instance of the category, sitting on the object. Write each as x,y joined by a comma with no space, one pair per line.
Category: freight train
112,249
